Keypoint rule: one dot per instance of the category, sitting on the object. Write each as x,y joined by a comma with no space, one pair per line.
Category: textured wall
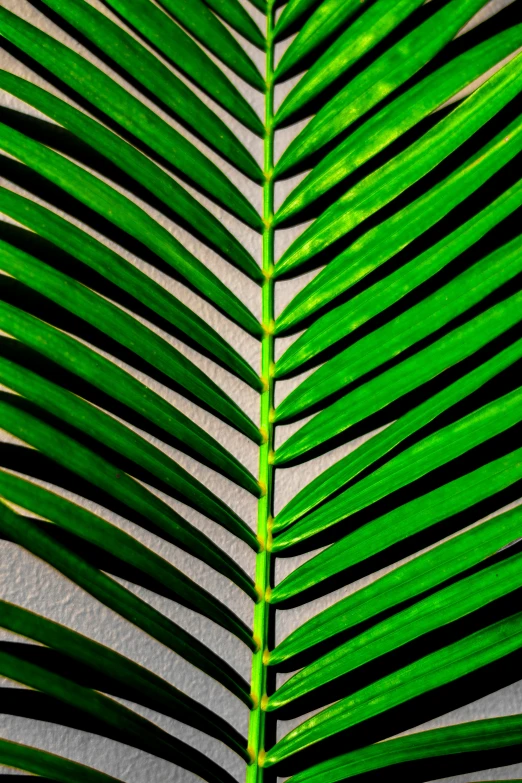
29,582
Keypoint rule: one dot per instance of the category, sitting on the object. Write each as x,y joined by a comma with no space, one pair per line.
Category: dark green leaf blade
146,688
124,443
39,762
119,385
415,371
122,212
344,470
130,114
128,278
232,12
346,318
102,534
433,451
402,114
446,606
434,670
72,455
413,578
448,742
159,80
134,163
261,5
118,325
207,29
374,83
385,240
324,22
170,39
181,50
401,172
114,718
109,592
291,15
371,351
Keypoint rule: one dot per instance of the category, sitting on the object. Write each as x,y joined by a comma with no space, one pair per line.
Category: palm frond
141,315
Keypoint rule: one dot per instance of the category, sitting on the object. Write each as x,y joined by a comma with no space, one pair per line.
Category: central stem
256,733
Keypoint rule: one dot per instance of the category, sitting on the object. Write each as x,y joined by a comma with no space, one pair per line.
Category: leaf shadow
79,99
410,652
411,399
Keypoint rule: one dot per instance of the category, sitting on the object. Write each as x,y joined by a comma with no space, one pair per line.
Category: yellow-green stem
256,733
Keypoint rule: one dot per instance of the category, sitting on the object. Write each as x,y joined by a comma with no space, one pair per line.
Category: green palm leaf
143,298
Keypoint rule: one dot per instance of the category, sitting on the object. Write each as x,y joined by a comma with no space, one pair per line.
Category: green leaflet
130,728
128,278
142,65
400,173
327,18
138,166
414,462
344,470
346,318
109,592
145,687
122,443
402,114
413,578
379,392
118,438
432,671
406,329
181,50
80,460
385,240
39,762
292,13
233,12
444,607
207,28
450,741
102,534
374,83
130,114
179,47
122,212
118,325
121,386
388,182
